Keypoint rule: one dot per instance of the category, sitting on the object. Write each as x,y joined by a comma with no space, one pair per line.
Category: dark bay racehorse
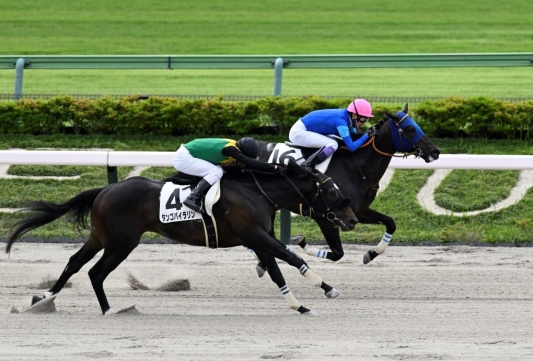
358,175
121,212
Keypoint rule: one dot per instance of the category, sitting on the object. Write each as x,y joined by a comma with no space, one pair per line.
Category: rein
261,189
363,176
330,216
405,154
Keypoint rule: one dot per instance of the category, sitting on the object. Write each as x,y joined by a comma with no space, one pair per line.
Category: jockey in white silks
203,157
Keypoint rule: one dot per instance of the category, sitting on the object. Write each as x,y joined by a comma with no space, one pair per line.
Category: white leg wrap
289,297
382,246
293,252
312,251
315,280
252,252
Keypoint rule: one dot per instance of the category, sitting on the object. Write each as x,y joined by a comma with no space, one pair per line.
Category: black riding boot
318,157
194,200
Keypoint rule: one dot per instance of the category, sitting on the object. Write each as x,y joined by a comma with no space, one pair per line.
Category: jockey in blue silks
311,130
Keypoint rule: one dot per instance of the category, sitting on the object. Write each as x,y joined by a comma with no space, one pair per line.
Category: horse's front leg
261,267
266,247
373,217
333,239
277,277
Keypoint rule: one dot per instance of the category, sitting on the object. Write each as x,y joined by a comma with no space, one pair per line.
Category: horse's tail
77,209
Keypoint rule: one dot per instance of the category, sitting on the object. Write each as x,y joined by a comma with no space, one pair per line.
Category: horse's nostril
436,151
353,222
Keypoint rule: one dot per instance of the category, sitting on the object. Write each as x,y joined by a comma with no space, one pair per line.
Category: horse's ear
406,108
394,116
292,165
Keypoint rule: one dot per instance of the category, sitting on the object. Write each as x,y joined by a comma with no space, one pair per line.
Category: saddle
171,208
183,179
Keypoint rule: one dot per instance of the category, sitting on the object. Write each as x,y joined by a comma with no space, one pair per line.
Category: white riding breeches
184,162
301,136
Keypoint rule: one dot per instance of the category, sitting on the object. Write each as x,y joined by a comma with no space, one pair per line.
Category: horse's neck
285,192
369,164
383,142
377,156
280,191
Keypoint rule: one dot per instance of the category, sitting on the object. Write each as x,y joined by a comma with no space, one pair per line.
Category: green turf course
275,27
269,27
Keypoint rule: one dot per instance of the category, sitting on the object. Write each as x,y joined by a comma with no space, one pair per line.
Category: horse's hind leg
75,263
112,257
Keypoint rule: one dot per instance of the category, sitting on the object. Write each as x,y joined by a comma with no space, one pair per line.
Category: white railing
98,157
114,159
164,159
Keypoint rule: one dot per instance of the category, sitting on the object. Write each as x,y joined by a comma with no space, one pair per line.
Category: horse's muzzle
431,157
345,227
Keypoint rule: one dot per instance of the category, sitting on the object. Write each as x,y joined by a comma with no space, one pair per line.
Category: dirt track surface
412,303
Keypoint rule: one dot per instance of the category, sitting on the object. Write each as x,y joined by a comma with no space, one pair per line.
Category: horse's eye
332,193
410,131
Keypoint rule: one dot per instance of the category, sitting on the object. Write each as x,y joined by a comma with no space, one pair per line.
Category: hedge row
450,117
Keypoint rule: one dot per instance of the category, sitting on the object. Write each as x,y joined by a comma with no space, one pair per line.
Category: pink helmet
361,107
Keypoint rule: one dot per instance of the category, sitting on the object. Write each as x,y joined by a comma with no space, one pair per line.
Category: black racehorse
358,175
122,212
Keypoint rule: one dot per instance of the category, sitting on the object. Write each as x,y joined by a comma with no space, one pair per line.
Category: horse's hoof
42,305
333,293
131,310
304,311
369,256
309,313
35,299
260,270
110,312
296,240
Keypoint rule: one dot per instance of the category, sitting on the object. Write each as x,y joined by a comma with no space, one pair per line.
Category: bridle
417,152
321,189
329,212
